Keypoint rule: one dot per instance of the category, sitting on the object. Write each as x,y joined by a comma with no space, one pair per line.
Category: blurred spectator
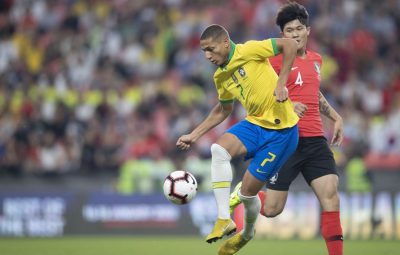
105,85
358,179
52,155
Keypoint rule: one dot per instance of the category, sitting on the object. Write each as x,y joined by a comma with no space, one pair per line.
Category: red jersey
303,85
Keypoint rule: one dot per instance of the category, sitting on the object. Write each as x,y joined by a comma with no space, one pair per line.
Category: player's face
297,31
216,50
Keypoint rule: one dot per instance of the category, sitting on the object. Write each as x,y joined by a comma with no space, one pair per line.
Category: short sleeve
260,49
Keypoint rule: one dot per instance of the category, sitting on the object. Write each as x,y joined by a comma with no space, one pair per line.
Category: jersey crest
242,72
317,67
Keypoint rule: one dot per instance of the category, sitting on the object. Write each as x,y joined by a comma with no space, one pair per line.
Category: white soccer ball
180,187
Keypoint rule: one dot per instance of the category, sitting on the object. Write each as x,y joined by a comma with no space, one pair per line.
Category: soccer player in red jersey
313,157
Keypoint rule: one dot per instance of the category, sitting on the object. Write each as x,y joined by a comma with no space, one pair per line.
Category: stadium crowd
107,86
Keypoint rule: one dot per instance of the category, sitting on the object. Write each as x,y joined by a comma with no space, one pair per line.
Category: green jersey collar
232,50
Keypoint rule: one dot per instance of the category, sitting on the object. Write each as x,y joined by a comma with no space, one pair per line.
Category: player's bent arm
217,115
288,48
327,110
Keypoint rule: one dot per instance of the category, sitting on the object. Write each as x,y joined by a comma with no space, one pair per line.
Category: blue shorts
268,148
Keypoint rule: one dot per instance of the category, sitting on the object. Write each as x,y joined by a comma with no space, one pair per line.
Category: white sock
221,178
252,206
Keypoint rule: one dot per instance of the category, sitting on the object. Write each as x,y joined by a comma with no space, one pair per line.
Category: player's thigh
232,144
240,139
274,150
275,201
319,159
326,190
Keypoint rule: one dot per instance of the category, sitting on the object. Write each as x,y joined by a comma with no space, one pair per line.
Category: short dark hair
214,31
292,11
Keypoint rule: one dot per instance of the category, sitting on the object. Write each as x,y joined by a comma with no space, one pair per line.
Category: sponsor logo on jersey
261,172
234,79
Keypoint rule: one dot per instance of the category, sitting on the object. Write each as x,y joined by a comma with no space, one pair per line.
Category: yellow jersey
249,77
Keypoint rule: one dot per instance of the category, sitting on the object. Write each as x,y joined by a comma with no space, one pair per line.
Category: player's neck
230,51
302,53
225,62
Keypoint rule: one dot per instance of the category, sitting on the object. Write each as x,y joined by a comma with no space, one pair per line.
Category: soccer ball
180,187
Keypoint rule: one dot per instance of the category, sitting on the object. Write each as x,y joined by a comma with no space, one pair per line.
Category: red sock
261,195
238,217
331,231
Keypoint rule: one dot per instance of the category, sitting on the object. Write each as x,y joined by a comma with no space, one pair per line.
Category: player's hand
299,109
337,133
281,93
185,141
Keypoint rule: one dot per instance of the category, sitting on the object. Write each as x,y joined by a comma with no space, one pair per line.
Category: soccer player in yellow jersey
268,135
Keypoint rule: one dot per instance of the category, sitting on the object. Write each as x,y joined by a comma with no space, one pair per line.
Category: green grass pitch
160,245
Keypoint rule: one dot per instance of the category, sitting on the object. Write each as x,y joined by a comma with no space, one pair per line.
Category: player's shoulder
246,47
314,55
256,44
252,42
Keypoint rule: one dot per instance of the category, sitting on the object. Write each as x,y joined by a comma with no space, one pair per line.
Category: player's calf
271,210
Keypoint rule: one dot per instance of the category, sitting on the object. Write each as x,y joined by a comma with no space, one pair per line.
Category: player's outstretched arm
288,47
327,110
218,114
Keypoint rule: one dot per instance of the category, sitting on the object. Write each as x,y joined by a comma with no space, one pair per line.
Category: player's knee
219,153
332,195
271,211
331,201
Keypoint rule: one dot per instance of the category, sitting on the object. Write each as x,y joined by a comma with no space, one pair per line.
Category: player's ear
308,30
226,42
